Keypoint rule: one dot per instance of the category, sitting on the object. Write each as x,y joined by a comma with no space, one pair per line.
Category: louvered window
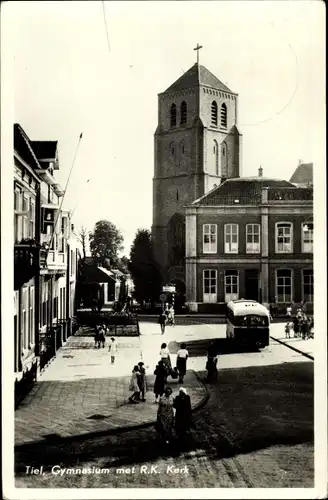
224,116
173,116
183,112
214,113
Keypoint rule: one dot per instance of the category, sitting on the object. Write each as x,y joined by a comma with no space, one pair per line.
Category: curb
108,432
293,348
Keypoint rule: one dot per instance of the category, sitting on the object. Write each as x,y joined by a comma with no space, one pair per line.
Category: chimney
261,171
300,162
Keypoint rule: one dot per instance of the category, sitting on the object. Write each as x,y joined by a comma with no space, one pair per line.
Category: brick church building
197,146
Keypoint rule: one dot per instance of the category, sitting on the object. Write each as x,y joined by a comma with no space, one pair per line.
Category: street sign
162,297
169,289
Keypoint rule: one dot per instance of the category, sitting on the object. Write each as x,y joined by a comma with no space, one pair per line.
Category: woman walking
165,416
142,381
134,385
162,322
159,384
183,417
182,356
165,357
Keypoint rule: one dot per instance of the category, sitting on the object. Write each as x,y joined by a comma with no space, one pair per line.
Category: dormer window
173,115
214,113
183,113
224,115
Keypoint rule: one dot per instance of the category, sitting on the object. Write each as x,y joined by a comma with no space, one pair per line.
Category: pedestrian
171,316
182,356
102,335
296,326
304,328
183,416
134,385
287,330
165,416
96,336
142,380
112,348
162,322
159,385
289,311
165,357
211,363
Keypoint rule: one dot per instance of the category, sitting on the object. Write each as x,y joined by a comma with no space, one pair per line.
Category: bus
248,323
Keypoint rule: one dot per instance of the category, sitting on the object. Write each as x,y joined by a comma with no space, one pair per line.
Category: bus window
254,320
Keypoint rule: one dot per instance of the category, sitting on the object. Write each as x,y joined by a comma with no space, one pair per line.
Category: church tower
197,146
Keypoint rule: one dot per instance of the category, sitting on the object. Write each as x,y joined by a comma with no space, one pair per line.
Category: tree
123,264
83,240
105,243
143,268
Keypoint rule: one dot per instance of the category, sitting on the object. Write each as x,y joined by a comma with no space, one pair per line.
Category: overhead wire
63,197
106,27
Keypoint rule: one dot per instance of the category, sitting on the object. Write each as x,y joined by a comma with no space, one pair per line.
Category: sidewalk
80,393
307,347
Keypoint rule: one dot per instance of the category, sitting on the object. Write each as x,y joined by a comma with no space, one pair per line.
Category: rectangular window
252,238
307,238
18,226
31,316
231,238
231,285
210,285
31,219
284,237
55,307
209,238
24,326
25,210
307,285
284,285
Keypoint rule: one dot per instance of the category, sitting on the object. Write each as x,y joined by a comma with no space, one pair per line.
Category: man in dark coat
183,418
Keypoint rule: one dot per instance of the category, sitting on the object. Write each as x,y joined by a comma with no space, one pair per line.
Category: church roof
245,189
195,76
303,174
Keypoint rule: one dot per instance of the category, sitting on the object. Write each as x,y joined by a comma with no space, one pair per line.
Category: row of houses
45,255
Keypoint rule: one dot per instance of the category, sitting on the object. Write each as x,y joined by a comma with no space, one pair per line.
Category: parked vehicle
248,323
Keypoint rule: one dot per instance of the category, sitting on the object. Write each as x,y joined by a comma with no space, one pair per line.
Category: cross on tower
198,47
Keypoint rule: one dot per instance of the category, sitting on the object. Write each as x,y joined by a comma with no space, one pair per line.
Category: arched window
182,148
214,113
224,159
172,149
224,115
173,115
183,112
215,157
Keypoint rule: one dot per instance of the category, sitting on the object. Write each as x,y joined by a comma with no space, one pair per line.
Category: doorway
252,284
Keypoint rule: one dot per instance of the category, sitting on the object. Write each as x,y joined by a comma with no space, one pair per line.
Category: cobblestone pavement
256,430
81,392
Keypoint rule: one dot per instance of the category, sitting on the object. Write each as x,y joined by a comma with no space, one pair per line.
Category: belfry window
183,113
224,116
173,115
214,113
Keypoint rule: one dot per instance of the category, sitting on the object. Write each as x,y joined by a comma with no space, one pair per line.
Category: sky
68,80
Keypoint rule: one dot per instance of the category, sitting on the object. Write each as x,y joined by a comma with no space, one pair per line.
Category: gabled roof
195,76
303,174
245,189
23,146
45,150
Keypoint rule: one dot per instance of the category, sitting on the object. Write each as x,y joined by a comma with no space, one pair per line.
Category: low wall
119,324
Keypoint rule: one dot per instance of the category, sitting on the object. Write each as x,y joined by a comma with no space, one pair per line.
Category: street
255,429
